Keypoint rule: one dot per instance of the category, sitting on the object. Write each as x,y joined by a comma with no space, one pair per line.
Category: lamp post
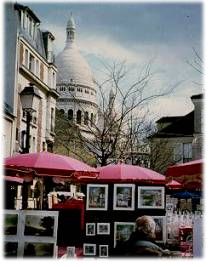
29,100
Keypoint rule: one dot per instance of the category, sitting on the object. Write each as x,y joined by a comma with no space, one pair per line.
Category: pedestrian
142,241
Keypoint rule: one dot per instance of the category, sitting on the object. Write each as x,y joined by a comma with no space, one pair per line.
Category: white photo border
89,245
132,186
94,229
100,254
103,233
161,188
106,196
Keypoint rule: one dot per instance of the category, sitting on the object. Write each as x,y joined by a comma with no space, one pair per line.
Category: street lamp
29,99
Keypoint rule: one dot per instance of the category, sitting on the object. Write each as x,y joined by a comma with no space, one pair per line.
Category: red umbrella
15,179
50,164
128,173
188,174
174,185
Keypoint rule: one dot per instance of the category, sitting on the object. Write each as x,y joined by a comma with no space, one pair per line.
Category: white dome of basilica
72,67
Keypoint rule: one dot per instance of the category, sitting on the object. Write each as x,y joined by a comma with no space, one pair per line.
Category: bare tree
117,130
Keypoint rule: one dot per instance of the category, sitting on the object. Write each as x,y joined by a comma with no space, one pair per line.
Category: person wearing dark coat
142,241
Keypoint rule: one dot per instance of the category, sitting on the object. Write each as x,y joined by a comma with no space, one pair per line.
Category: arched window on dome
62,111
79,116
86,118
70,114
92,119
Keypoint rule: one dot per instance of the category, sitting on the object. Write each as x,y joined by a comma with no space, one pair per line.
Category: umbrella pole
25,196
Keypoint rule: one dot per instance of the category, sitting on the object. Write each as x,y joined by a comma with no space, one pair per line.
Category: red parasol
188,174
174,185
50,164
128,173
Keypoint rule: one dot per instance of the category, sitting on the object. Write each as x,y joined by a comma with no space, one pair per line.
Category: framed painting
103,228
124,197
103,251
90,229
122,231
160,229
89,249
151,197
40,223
97,197
34,249
11,222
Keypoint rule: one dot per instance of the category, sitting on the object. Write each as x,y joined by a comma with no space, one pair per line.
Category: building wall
28,64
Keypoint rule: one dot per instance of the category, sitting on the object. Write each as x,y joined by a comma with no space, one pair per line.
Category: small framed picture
90,228
122,231
97,197
160,229
151,197
103,251
124,197
103,228
89,249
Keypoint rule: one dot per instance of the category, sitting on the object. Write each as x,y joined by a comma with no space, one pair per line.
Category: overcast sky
137,33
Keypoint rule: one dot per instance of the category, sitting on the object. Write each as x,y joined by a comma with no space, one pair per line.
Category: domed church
75,84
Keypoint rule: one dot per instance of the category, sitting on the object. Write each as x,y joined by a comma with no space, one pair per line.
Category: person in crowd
142,241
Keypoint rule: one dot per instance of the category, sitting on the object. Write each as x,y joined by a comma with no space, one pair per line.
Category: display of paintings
10,249
90,229
103,228
89,249
160,229
97,197
122,231
30,233
10,222
151,197
103,251
33,249
124,197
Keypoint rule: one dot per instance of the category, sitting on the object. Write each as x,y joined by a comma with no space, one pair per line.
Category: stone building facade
30,60
75,84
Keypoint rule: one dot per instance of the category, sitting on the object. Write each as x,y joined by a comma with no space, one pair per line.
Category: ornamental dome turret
72,67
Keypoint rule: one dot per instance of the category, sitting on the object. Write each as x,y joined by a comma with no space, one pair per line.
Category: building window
31,63
37,67
187,152
26,58
70,114
86,118
92,119
52,120
79,116
71,89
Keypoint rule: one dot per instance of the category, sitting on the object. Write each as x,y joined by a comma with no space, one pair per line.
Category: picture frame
160,229
90,229
97,197
122,231
11,221
124,197
103,228
38,249
151,197
89,249
40,224
103,251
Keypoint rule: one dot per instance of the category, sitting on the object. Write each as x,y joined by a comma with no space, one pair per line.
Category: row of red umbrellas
51,164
